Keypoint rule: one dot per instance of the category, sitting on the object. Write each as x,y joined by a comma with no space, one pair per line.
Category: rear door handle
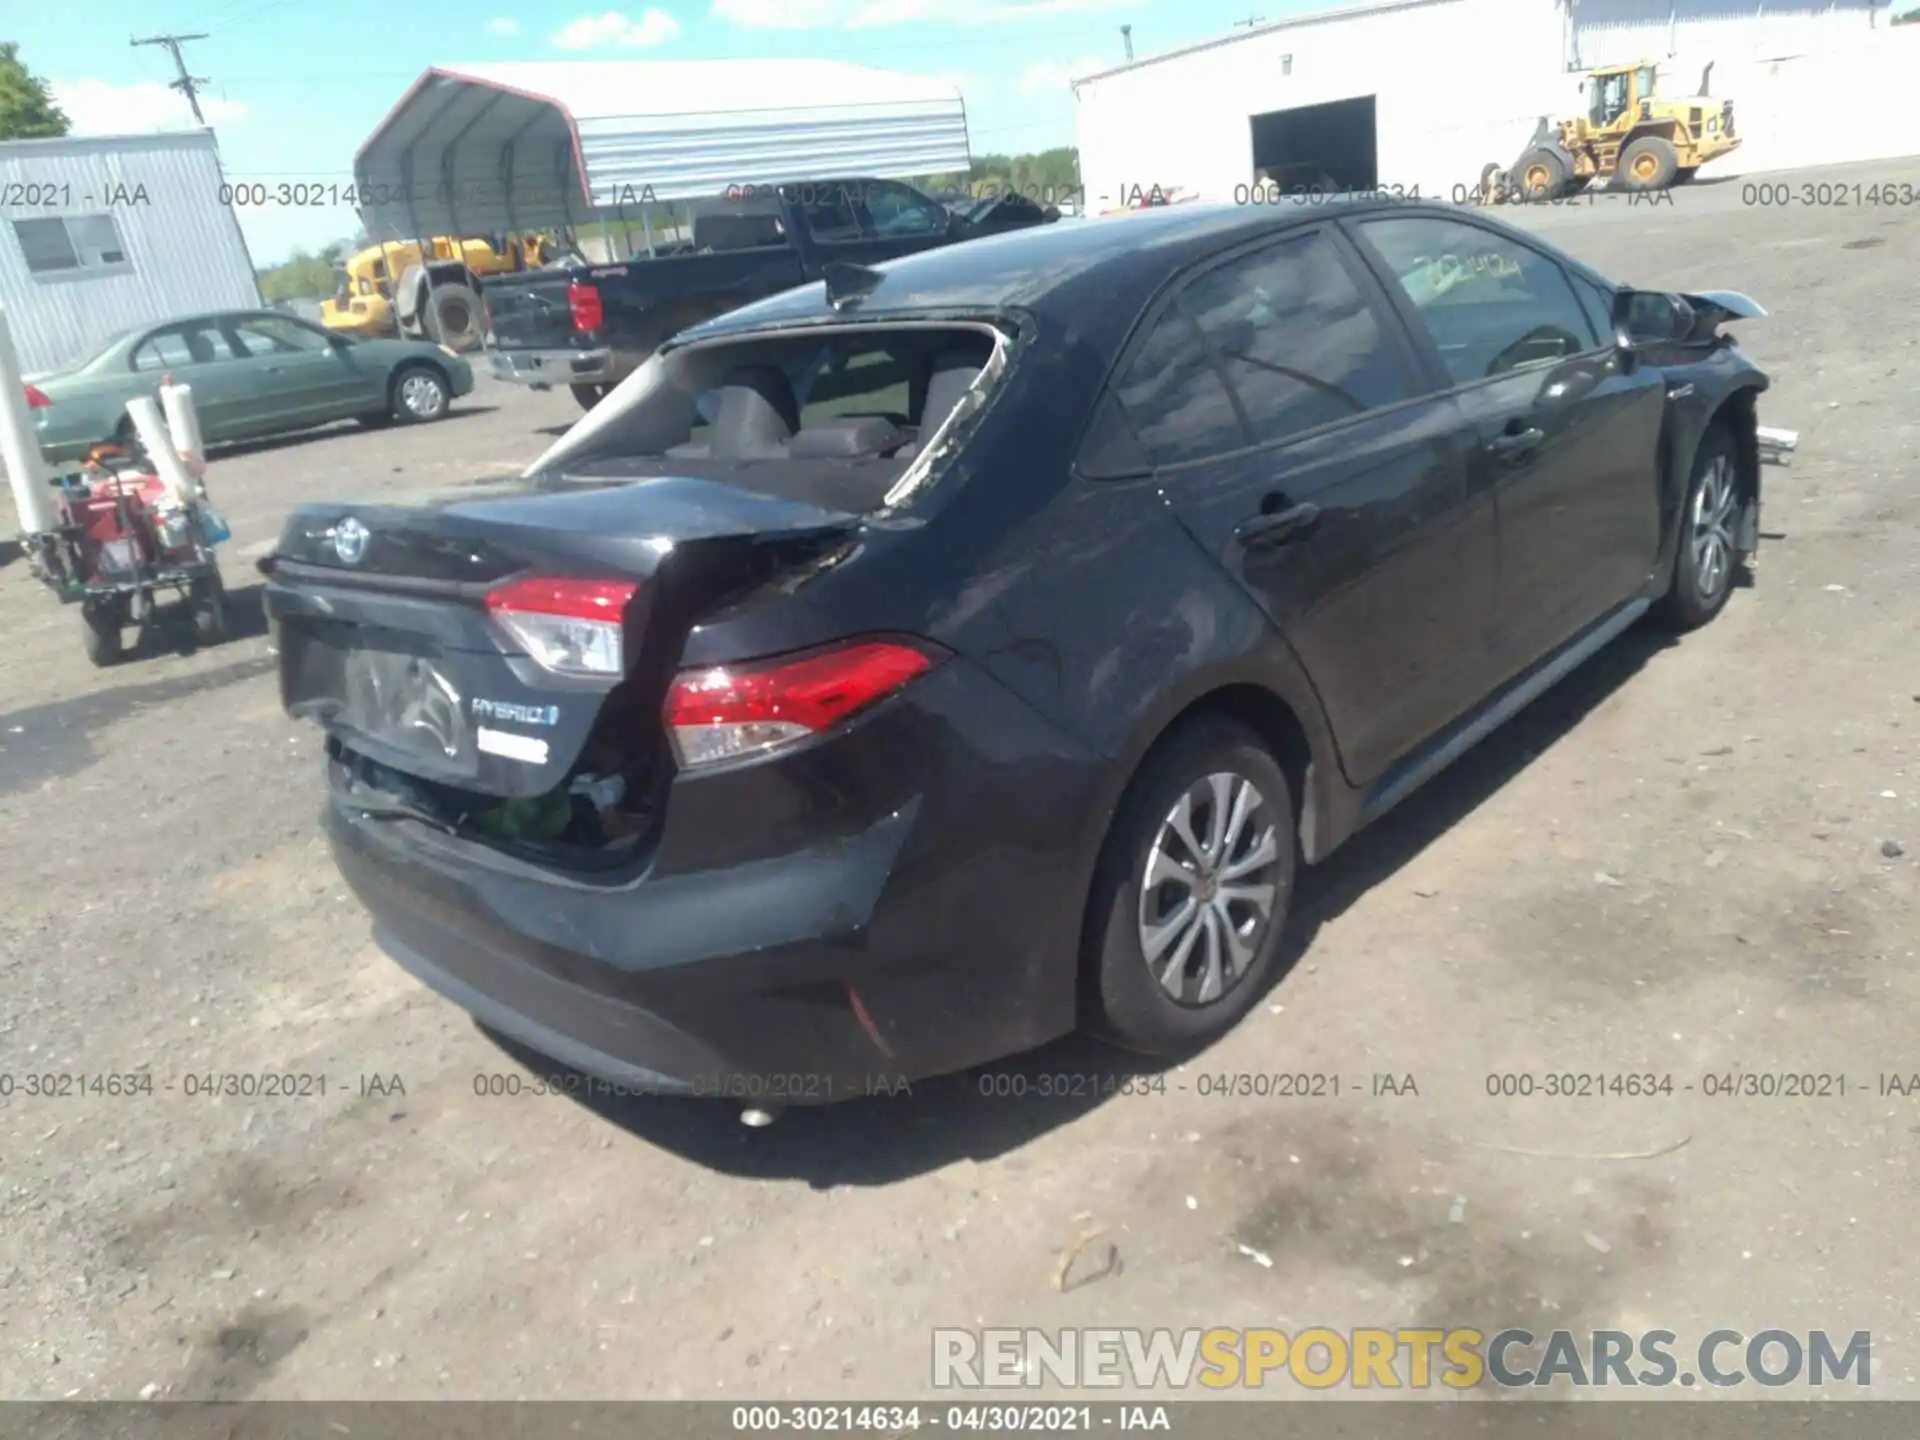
1278,527
1510,444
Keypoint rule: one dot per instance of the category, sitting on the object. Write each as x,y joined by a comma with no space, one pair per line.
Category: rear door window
180,346
1299,341
1491,304
1176,397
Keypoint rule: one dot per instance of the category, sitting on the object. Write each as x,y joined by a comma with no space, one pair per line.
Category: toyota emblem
350,541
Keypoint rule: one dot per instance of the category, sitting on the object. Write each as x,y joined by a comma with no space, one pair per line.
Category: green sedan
253,373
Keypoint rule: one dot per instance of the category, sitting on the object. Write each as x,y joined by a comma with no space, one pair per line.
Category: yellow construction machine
1630,137
427,290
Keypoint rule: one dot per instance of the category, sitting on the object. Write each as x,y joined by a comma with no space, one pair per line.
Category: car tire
1138,953
101,625
1705,561
590,395
418,394
1649,163
1540,175
452,317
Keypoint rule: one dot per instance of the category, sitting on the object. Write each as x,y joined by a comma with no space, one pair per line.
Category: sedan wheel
1191,896
419,395
1207,896
1712,537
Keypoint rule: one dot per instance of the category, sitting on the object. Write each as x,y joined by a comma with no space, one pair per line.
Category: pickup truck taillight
584,302
37,398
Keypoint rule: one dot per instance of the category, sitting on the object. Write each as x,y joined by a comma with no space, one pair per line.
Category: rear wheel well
1261,711
1664,129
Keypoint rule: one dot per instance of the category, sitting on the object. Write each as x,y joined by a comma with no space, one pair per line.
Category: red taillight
729,711
570,626
584,301
37,398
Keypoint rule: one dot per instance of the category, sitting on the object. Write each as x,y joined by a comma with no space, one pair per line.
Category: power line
188,85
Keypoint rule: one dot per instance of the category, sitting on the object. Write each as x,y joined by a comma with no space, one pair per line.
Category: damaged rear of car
585,742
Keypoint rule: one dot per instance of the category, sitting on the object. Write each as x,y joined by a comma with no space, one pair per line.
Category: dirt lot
1673,864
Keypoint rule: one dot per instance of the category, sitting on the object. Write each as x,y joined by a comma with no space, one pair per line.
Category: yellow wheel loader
427,290
1630,137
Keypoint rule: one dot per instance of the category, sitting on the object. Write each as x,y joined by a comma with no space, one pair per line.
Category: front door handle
1511,444
1277,527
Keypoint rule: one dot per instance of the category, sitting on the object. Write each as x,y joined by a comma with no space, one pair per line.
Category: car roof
1094,277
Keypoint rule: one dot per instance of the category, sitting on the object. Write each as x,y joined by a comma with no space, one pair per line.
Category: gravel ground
1675,863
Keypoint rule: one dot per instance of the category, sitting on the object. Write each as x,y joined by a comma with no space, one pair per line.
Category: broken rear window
835,416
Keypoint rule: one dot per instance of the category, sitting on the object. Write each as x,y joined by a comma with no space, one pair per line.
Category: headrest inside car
757,415
953,376
853,436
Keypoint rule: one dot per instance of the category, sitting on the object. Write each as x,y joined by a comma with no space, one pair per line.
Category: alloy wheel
422,395
1207,896
1712,537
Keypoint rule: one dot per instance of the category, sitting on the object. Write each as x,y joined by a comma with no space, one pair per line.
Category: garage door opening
1329,148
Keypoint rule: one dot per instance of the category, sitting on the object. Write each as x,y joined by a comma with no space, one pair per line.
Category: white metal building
475,149
1405,93
102,233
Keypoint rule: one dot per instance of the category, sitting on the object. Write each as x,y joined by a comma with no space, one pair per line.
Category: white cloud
503,25
873,14
595,32
1052,77
99,107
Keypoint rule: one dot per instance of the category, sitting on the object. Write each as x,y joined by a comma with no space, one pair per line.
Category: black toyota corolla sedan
900,672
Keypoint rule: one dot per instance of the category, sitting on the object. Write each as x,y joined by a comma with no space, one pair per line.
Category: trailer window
71,245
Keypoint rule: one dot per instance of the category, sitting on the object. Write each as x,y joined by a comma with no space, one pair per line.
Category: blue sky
296,85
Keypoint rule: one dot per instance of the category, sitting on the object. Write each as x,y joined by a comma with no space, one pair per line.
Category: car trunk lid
386,638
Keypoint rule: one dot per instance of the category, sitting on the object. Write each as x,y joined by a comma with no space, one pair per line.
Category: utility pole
187,85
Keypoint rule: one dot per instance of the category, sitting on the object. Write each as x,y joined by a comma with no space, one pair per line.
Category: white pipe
27,469
145,411
183,425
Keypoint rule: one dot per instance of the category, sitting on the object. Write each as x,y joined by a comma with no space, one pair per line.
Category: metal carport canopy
481,149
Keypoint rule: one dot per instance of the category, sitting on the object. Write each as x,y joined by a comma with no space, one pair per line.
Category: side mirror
1643,318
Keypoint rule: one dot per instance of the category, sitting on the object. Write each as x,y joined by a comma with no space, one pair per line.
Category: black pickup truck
589,326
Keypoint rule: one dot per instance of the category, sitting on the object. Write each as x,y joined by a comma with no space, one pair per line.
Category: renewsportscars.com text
1457,1359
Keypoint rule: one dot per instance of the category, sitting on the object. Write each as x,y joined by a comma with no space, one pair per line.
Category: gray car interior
757,417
